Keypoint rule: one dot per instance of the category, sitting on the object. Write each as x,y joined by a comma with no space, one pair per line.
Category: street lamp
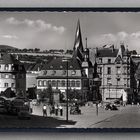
67,112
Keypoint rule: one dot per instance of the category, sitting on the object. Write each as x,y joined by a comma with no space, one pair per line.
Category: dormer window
61,66
51,67
44,72
64,72
53,72
73,72
71,66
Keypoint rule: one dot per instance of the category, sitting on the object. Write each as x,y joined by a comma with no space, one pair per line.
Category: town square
69,70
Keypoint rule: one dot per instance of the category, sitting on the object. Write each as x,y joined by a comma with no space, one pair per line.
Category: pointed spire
78,45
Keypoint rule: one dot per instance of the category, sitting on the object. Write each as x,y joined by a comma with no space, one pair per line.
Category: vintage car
74,110
17,105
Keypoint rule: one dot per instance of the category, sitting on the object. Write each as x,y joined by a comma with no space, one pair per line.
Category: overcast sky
53,30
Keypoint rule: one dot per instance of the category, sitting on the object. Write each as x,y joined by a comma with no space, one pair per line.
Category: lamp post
67,109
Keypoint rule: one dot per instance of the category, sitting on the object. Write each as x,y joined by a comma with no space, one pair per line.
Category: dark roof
28,66
107,52
8,59
33,66
59,77
60,63
36,66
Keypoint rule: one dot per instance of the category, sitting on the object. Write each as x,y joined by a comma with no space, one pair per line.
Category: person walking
44,110
61,110
124,97
56,110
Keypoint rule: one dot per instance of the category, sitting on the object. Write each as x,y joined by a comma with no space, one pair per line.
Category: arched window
72,83
53,83
58,83
6,67
63,83
45,83
77,83
39,83
49,82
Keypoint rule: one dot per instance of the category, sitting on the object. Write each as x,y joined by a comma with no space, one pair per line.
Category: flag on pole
78,51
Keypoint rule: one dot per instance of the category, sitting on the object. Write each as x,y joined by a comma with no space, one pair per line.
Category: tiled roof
60,77
107,52
8,59
61,64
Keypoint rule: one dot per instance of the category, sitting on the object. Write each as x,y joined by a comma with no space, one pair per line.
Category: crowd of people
54,110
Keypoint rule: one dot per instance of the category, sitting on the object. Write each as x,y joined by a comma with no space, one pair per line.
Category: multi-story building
115,69
77,70
55,73
12,74
32,71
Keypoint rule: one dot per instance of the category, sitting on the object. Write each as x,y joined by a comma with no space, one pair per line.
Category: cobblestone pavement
126,116
86,120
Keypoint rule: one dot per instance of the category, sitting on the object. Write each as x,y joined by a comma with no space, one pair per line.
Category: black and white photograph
69,69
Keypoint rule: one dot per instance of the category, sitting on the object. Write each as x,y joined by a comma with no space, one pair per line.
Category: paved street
85,120
125,117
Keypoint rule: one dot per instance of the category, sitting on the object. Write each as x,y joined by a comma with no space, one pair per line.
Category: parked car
17,105
110,106
4,104
74,110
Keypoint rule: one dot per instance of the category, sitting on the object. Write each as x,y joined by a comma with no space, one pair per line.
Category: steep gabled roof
60,64
8,59
107,52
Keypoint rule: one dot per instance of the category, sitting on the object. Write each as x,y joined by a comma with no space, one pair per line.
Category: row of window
100,60
7,76
126,81
58,83
11,76
12,85
118,70
64,72
9,67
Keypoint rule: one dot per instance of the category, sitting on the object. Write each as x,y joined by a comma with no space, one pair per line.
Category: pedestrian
44,110
61,110
51,110
124,97
31,107
56,110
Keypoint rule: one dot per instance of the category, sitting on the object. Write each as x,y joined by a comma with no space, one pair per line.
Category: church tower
85,63
78,50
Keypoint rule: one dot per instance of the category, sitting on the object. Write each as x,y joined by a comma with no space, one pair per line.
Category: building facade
115,68
74,74
12,74
58,72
